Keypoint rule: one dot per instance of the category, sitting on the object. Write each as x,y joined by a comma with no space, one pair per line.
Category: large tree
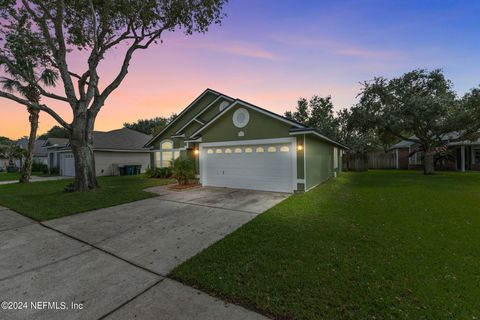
318,113
150,126
59,29
420,106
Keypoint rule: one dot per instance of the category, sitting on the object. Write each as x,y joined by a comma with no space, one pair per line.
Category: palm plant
28,89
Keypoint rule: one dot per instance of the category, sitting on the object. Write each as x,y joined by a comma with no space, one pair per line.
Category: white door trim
293,152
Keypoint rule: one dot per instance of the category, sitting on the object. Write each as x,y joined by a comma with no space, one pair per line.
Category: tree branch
37,106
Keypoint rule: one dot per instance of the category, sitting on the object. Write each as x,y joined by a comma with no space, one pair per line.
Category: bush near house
162,173
183,170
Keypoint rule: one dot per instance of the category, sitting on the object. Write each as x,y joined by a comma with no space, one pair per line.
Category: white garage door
266,167
67,165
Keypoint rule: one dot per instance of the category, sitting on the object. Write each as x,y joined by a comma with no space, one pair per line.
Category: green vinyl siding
184,118
212,111
319,160
260,126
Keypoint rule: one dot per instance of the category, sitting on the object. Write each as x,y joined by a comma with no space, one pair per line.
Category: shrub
163,173
39,167
183,170
54,171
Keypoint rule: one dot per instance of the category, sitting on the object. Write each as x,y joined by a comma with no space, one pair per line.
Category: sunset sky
272,52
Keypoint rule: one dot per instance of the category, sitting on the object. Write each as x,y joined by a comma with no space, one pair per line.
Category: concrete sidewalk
37,179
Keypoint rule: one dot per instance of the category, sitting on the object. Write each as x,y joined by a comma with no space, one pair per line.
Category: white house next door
258,165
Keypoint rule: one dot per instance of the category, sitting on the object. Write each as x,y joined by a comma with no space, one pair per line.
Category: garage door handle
223,171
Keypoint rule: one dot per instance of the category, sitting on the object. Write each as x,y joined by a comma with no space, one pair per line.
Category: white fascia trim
204,110
196,140
247,142
251,106
178,136
301,181
318,135
180,115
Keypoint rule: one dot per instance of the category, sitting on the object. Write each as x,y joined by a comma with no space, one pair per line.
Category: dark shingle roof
61,142
120,139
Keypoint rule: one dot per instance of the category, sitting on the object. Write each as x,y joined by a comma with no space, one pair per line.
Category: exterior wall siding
259,126
105,162
319,160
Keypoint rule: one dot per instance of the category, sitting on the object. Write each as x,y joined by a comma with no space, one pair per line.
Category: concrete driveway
114,262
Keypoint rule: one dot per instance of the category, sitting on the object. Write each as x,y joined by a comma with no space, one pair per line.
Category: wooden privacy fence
382,160
370,160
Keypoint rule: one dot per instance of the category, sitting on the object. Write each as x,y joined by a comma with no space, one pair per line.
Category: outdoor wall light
196,152
300,147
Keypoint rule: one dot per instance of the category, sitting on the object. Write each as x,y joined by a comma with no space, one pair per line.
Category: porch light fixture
196,152
300,147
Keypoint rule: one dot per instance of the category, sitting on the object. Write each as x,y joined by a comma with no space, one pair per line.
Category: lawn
9,176
376,245
47,200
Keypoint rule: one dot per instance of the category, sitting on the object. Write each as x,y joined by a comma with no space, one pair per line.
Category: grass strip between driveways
376,245
9,176
48,200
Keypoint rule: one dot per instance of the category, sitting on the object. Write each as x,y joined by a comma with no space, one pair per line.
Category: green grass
47,200
9,176
377,245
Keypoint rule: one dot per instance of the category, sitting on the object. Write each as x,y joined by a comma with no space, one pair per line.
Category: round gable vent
241,117
223,105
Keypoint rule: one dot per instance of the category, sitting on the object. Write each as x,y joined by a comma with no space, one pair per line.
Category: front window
476,156
166,155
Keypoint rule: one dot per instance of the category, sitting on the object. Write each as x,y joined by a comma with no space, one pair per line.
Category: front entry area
268,165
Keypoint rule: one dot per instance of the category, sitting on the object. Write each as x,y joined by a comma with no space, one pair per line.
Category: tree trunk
27,166
428,163
81,142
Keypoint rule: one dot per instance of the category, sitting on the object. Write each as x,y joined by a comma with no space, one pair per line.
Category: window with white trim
248,150
238,150
284,149
272,149
260,150
166,155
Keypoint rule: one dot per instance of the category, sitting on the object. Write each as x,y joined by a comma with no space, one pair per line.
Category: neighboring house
465,155
112,150
39,151
236,144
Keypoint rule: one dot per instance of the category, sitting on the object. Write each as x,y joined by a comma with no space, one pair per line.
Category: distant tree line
420,106
150,126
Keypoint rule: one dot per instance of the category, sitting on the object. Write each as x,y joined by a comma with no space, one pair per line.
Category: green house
236,144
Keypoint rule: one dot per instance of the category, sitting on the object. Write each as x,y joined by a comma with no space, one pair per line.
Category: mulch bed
181,187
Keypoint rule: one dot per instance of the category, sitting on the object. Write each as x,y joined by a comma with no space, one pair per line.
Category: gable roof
250,106
208,90
203,111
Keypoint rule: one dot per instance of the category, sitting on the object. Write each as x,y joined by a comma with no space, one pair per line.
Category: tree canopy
42,35
318,113
420,106
55,132
150,126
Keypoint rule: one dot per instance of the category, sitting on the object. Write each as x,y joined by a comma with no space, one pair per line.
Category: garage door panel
224,166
